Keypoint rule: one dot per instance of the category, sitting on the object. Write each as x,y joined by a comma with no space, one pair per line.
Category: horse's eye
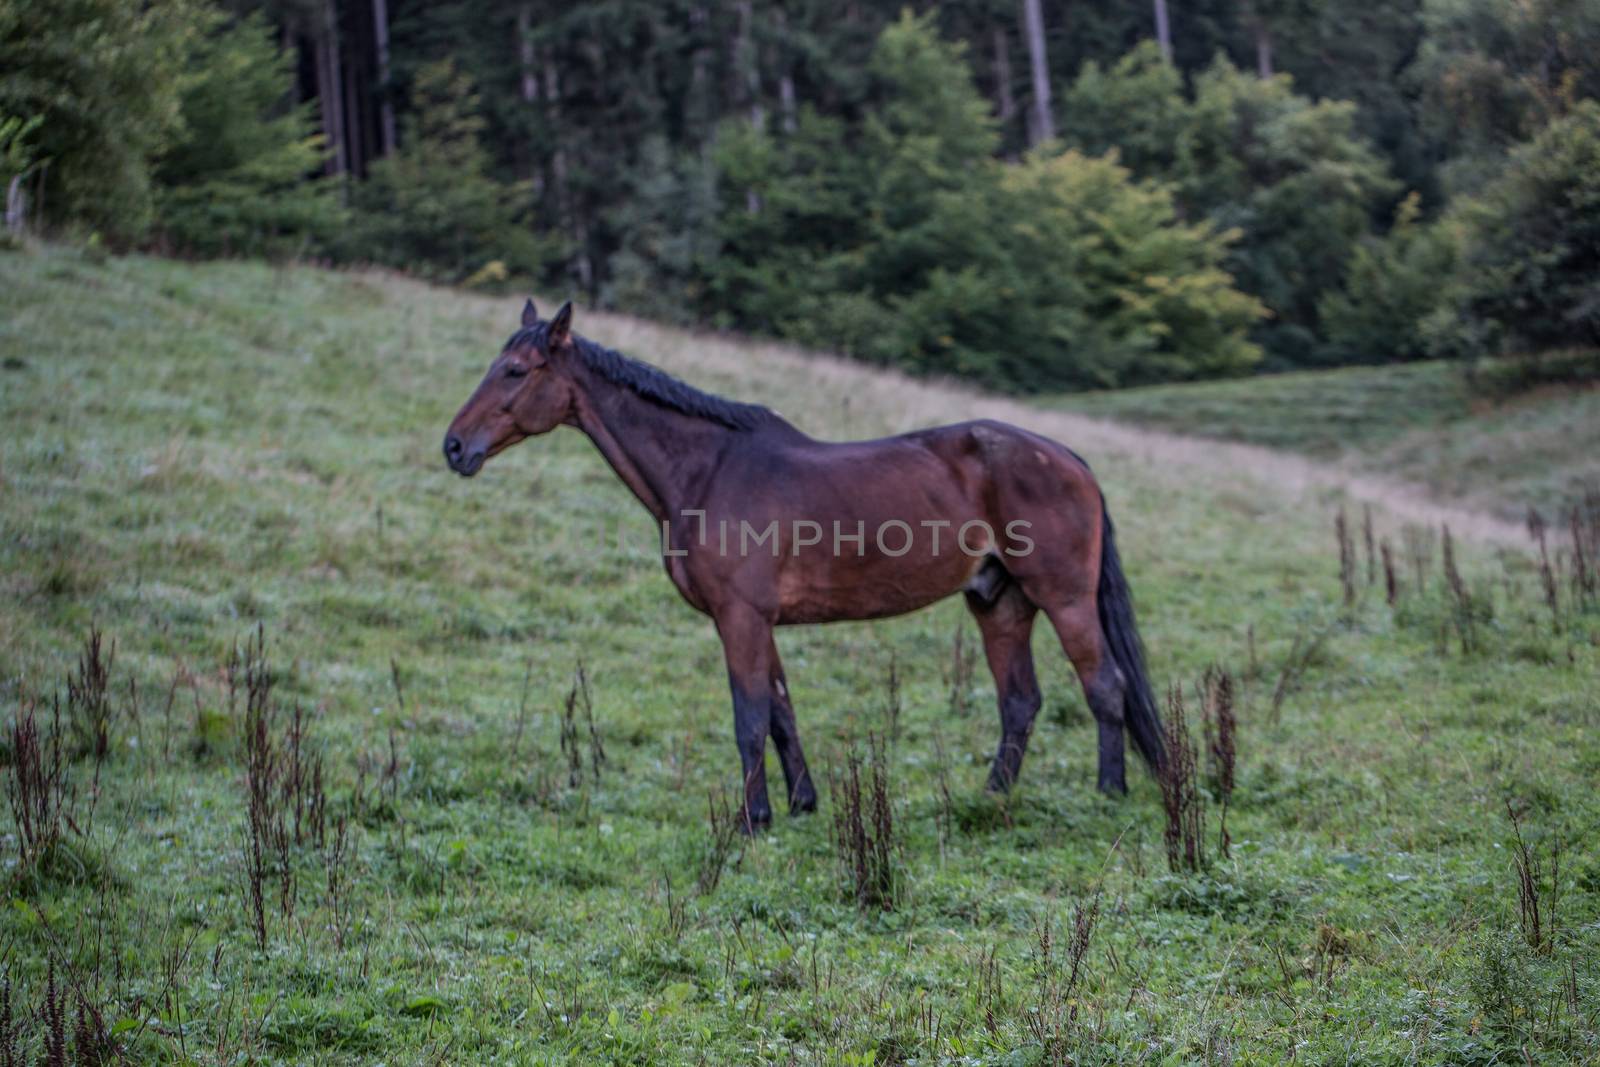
516,372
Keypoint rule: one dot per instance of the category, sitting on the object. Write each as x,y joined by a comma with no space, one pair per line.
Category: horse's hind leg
1006,620
1077,623
786,739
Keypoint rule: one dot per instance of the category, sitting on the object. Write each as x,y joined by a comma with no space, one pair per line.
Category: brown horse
763,526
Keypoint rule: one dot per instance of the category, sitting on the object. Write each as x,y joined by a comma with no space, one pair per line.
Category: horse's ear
530,315
561,327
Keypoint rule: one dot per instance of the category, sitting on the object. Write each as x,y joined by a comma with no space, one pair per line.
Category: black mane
654,384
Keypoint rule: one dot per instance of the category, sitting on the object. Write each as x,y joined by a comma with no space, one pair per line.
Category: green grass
193,449
1419,422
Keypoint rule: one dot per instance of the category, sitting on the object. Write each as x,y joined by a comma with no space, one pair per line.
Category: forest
1031,194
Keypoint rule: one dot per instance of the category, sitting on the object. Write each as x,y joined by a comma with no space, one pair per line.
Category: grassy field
1421,422
195,450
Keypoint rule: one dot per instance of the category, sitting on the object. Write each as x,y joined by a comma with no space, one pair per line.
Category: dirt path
1281,471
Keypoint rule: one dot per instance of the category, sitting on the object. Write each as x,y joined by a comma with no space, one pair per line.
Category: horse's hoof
999,784
1113,788
803,805
756,823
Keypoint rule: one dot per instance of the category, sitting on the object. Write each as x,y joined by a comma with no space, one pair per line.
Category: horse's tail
1140,715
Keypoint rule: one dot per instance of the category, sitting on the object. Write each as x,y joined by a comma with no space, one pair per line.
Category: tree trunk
1041,123
1005,102
293,42
1263,46
786,100
354,129
16,205
747,64
386,127
747,84
330,90
1163,30
530,80
565,202
526,157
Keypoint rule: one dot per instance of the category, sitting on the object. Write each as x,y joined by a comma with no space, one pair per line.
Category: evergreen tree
433,207
1135,106
105,77
237,180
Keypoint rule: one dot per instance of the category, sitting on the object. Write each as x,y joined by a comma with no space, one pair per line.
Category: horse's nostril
452,446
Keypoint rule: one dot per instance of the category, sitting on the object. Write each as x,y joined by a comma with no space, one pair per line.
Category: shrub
901,240
1298,182
1530,273
17,164
1392,286
433,207
237,181
104,76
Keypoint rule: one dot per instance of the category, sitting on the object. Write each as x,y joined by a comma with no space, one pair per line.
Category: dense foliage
1532,260
234,180
1270,185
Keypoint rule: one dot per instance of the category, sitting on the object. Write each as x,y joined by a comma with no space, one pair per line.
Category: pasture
195,454
1499,452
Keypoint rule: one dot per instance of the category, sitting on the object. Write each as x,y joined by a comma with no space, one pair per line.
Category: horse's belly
874,590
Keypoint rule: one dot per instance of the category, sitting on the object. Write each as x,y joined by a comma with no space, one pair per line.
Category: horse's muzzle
461,461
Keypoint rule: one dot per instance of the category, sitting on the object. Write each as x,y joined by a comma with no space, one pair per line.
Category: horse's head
524,393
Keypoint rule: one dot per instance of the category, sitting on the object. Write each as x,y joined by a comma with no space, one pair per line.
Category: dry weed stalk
1538,887
1391,586
1583,524
1053,1016
959,674
893,702
1221,730
1418,543
722,830
37,787
1180,791
1302,651
1367,536
1461,602
863,828
89,710
1347,559
1547,574
578,697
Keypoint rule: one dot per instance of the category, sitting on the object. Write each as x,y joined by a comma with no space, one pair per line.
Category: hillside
193,450
1419,423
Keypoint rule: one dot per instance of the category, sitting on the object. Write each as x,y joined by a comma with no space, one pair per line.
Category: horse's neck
663,456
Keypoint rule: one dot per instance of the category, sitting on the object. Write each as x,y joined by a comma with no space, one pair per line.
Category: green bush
900,239
17,164
1136,106
104,76
237,180
1085,278
1490,74
1393,287
433,206
1530,277
1297,182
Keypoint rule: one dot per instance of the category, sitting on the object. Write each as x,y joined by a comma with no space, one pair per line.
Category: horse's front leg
747,644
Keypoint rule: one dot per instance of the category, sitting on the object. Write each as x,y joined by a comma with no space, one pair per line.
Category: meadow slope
193,451
1422,427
